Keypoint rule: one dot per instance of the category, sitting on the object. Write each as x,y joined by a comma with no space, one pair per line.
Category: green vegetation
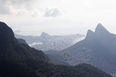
57,59
34,68
20,60
34,63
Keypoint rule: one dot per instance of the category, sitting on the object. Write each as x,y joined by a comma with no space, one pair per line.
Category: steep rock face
6,34
101,30
106,38
90,34
11,49
98,48
6,40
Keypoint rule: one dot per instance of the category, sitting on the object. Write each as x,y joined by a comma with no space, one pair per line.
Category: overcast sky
58,17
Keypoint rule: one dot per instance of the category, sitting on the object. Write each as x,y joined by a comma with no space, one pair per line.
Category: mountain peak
6,33
100,32
12,50
99,25
90,34
100,29
45,35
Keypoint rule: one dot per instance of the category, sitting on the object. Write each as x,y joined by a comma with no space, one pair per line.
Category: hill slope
10,49
20,60
98,49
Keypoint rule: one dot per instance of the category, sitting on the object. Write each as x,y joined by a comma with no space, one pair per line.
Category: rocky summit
98,49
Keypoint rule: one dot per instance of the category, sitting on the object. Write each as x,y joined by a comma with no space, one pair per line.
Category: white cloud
24,11
53,12
4,9
87,5
18,2
32,15
18,7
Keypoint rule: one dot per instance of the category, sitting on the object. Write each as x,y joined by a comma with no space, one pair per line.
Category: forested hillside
20,60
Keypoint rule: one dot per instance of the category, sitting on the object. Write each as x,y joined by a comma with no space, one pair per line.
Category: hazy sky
62,17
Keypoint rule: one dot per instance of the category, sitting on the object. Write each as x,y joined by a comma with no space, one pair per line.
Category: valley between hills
97,48
90,57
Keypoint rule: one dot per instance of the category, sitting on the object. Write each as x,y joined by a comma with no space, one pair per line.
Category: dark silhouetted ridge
98,48
6,34
11,49
20,60
90,34
100,30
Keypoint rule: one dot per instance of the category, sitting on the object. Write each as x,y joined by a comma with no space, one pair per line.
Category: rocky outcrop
98,48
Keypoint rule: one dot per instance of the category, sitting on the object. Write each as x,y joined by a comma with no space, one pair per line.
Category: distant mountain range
46,42
98,49
17,59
